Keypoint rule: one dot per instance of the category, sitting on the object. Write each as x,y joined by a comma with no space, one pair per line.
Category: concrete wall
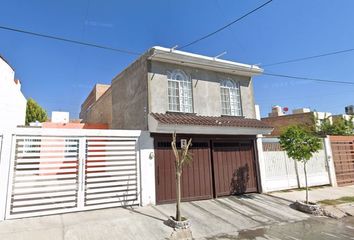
206,90
101,110
279,172
129,97
147,169
12,101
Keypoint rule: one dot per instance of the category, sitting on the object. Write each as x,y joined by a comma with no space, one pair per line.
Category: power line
307,78
137,53
309,57
313,95
69,40
226,26
281,75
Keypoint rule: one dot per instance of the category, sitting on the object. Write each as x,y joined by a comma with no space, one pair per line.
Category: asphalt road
312,228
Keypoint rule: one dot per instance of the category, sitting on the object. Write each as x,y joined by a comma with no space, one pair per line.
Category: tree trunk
306,185
178,195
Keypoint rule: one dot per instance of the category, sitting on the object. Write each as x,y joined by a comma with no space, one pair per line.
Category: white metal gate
57,174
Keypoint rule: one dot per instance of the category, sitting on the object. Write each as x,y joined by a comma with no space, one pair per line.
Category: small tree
34,112
182,157
300,145
339,126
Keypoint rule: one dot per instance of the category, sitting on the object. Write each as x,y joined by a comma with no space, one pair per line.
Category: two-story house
204,98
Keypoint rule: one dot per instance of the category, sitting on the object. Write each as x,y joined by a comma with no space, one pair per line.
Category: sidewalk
210,219
316,194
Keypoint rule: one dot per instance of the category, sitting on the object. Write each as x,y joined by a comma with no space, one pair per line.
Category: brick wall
280,123
97,91
101,110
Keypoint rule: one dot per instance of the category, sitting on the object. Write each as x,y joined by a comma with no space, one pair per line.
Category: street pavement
251,216
314,228
209,218
316,194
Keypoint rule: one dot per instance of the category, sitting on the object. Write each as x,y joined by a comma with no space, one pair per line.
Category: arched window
179,92
230,98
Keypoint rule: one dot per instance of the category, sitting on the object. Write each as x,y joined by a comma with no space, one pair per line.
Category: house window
179,92
230,98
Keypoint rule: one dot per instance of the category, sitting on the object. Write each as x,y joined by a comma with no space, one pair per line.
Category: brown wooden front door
196,177
234,167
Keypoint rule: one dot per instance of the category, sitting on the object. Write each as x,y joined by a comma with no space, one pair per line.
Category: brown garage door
196,177
234,167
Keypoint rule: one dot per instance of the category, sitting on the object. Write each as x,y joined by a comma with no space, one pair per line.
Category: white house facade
12,101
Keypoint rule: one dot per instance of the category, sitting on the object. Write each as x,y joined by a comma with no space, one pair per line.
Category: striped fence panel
343,156
44,176
111,177
52,174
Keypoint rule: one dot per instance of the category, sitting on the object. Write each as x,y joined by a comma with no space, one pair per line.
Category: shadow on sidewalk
144,214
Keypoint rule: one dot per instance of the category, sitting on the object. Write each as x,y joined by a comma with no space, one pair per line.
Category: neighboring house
62,120
204,98
349,114
343,116
278,119
97,108
303,116
12,101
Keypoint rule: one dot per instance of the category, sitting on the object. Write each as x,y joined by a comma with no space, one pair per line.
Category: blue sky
59,75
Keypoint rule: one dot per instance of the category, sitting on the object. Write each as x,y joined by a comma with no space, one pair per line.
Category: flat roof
196,60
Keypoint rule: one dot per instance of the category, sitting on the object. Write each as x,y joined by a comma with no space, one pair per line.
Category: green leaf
299,143
34,112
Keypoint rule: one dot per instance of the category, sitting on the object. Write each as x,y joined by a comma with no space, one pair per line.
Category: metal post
81,172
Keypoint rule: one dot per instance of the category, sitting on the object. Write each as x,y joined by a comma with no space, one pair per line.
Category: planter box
311,208
184,224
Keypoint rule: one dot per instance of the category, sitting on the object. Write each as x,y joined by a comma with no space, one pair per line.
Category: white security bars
44,176
111,172
54,171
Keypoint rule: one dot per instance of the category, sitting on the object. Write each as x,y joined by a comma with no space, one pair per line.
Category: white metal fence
282,172
54,171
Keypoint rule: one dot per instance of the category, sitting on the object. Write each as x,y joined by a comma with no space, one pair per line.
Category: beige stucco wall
101,110
129,97
131,100
206,90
